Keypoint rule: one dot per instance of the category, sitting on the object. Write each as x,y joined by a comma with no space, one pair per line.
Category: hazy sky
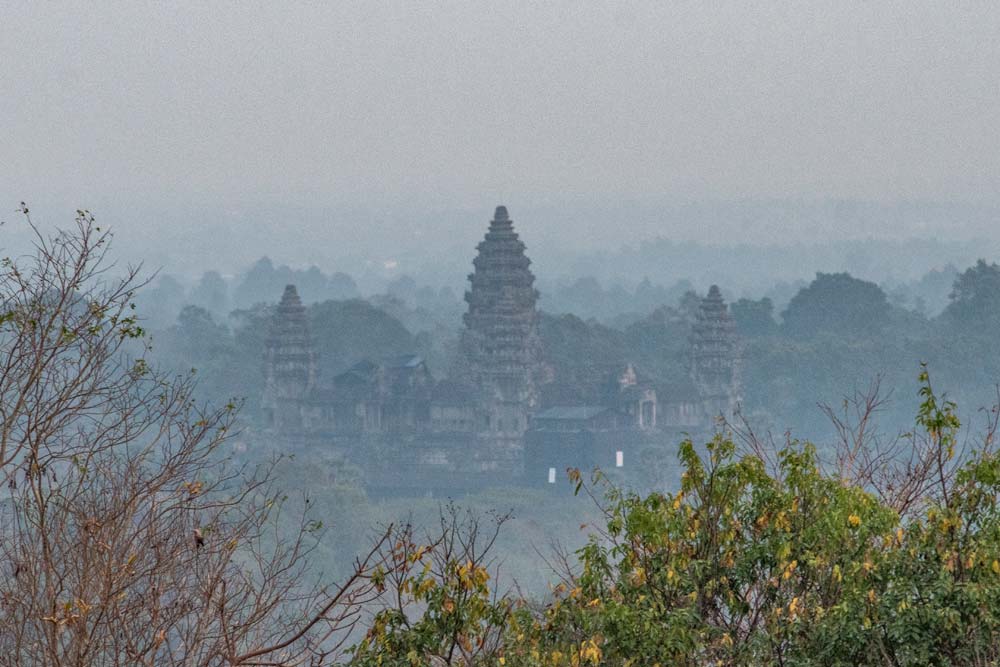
466,104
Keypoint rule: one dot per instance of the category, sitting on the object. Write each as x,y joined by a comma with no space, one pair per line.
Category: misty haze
508,334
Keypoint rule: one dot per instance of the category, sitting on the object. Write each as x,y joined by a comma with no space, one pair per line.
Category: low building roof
404,361
572,412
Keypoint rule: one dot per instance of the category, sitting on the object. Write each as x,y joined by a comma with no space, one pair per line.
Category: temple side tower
289,363
715,357
500,342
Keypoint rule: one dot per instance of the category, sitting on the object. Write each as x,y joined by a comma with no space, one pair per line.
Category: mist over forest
752,245
420,310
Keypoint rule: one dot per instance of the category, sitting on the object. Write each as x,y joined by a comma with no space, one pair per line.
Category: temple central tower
500,342
289,363
715,357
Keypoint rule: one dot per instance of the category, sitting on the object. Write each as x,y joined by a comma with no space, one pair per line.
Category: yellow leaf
793,606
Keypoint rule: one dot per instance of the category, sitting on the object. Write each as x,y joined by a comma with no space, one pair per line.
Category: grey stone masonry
501,336
289,361
715,356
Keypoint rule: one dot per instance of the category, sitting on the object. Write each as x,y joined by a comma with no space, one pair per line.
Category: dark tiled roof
364,368
367,369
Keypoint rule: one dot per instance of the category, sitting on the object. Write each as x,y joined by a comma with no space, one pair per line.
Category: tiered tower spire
501,342
289,361
715,356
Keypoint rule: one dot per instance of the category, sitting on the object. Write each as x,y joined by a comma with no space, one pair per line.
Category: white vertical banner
619,458
552,475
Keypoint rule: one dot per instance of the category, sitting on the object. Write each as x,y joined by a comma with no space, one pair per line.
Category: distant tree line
817,342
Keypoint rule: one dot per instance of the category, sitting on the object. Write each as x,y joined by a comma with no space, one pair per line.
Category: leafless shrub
126,538
906,471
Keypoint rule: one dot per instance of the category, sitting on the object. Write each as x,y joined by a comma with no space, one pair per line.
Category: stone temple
410,431
500,342
715,358
289,363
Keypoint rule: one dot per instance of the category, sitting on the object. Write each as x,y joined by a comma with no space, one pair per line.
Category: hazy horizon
746,246
365,126
377,139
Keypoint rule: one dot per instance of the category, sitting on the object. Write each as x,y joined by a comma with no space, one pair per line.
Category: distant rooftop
571,412
368,366
404,361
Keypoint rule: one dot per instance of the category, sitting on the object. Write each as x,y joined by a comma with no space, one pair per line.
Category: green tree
875,562
837,304
447,577
582,354
199,334
974,302
875,558
211,293
348,331
754,318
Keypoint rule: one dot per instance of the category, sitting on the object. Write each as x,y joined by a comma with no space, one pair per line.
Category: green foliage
754,318
751,563
839,304
229,361
459,613
734,563
224,362
347,332
264,282
211,293
658,343
582,354
975,297
448,579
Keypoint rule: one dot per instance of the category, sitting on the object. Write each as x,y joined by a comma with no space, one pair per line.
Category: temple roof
289,326
290,296
368,368
571,412
501,321
404,361
713,321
